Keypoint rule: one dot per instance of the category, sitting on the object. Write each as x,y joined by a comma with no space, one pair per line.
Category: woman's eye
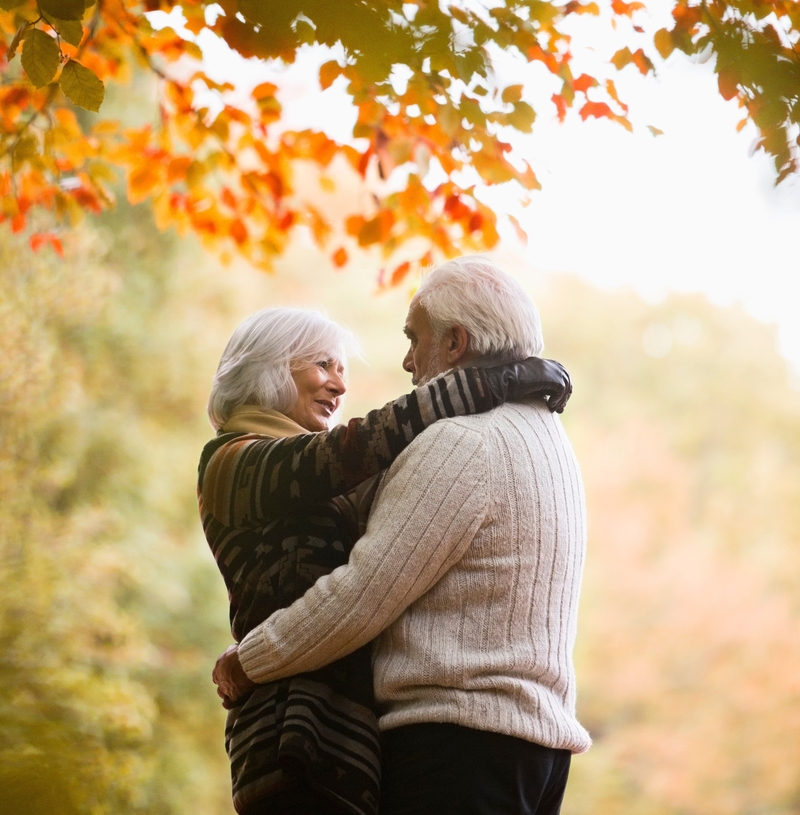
324,364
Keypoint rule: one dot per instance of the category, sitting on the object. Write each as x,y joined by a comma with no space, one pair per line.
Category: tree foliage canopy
419,73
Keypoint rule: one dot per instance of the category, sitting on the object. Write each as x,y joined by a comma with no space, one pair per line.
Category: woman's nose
336,383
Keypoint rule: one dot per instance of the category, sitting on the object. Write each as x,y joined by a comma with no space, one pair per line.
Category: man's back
489,645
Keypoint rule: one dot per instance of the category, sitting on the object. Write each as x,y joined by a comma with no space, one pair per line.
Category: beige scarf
253,419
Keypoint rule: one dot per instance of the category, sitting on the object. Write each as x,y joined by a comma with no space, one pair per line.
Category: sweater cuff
252,655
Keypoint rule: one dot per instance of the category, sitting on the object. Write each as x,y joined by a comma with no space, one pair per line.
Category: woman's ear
457,345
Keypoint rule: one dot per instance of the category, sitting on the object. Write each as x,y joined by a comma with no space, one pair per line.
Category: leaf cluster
229,174
43,55
419,74
757,50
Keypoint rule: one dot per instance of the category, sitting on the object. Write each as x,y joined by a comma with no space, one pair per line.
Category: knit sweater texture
468,574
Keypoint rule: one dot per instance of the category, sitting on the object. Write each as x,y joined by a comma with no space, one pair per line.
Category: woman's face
320,388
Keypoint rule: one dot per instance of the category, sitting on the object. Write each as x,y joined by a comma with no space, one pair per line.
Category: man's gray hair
257,363
498,314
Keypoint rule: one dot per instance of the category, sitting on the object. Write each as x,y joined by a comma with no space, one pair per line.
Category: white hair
498,314
257,363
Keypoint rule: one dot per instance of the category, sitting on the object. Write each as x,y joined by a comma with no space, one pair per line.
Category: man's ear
457,344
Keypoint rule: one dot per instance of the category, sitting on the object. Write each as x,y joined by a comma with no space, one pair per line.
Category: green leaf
69,30
81,86
62,9
40,57
7,5
522,117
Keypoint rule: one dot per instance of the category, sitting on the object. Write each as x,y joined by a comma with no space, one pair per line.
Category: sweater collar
253,419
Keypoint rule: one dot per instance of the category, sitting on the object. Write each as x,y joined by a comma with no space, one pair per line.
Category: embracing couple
404,588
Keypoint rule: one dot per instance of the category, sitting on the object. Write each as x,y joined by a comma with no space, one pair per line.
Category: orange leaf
584,82
376,230
573,7
264,90
400,273
728,81
596,109
521,233
38,240
142,181
354,223
561,106
329,72
228,198
177,167
627,9
238,231
339,257
612,92
642,62
18,223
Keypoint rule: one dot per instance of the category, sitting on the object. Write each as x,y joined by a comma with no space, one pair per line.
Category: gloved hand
531,377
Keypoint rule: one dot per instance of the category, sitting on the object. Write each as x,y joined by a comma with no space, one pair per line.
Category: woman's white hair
257,363
474,292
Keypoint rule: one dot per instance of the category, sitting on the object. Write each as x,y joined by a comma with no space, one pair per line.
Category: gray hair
257,363
498,314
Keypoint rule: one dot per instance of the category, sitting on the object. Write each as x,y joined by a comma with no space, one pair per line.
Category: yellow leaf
513,93
663,42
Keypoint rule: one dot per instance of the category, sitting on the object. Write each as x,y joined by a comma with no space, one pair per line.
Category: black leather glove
531,377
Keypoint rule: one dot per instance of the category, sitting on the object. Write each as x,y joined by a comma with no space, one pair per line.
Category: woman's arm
244,479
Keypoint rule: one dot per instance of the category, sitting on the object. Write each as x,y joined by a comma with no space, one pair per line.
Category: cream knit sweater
468,575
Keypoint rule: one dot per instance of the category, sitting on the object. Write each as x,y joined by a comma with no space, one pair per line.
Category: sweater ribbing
470,572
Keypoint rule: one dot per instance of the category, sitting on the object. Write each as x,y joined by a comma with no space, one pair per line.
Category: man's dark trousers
446,769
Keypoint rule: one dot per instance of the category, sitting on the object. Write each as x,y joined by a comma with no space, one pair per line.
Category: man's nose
408,362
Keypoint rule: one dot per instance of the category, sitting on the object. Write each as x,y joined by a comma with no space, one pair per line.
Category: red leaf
475,222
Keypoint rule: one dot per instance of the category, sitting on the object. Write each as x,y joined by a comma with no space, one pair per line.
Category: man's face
425,357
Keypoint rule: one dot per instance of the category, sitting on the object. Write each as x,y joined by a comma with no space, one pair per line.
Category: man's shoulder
444,437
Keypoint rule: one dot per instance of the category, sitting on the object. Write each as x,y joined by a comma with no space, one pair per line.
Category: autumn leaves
45,49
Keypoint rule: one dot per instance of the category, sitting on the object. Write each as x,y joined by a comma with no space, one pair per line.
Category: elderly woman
281,498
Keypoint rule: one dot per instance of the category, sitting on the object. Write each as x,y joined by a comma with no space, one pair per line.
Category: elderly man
467,578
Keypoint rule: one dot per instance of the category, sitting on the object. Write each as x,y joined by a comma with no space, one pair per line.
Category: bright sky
686,211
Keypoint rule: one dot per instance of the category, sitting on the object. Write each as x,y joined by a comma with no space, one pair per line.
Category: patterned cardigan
271,515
